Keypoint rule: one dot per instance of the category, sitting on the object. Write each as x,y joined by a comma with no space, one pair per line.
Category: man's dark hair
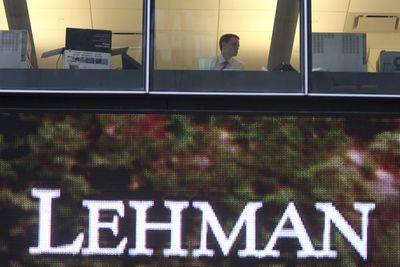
225,38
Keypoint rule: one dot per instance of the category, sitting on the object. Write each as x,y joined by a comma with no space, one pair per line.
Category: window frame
95,91
302,78
148,53
309,79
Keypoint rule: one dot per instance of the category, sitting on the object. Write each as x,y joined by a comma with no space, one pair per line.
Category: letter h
142,226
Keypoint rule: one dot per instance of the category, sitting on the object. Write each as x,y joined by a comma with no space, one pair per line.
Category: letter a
298,231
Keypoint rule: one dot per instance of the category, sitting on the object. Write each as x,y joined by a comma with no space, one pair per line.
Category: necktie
224,65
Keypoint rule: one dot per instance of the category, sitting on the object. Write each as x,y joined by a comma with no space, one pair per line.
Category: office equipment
284,67
87,49
389,61
339,52
127,61
15,49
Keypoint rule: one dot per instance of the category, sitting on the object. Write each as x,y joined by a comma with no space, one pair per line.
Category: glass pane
71,45
356,46
189,56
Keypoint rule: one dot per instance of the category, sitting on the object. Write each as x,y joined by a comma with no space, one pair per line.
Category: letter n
332,215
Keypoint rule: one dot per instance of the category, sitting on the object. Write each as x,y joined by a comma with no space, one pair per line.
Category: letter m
247,217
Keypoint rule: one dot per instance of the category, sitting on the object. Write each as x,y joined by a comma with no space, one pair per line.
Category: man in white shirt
229,46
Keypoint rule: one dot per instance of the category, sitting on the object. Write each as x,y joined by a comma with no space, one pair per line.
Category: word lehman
209,221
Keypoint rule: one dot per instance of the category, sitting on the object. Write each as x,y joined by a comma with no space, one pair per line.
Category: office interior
187,31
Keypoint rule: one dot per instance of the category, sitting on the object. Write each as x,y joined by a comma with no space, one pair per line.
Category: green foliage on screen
224,159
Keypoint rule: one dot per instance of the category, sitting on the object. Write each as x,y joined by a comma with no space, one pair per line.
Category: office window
355,46
187,50
58,45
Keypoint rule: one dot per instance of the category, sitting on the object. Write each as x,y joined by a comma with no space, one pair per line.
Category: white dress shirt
220,63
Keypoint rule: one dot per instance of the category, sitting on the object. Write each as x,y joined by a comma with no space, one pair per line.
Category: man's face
231,48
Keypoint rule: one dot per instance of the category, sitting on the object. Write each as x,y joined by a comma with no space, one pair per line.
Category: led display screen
151,190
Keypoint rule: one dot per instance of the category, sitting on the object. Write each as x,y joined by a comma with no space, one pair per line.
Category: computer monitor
87,49
88,40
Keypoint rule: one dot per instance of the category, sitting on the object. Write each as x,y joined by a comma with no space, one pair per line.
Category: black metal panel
356,83
227,81
295,105
71,80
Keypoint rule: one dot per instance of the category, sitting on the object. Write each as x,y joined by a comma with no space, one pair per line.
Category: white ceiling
375,6
335,15
49,18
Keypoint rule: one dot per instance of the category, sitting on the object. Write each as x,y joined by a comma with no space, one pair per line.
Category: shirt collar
221,59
